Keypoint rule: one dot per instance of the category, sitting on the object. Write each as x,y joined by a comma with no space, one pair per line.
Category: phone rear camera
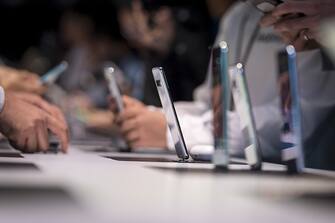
158,83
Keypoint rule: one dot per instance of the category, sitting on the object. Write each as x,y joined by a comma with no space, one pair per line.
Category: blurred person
91,46
137,28
76,32
260,56
84,84
145,126
300,23
171,34
42,49
25,120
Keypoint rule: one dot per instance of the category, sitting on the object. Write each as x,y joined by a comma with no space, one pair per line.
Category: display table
85,186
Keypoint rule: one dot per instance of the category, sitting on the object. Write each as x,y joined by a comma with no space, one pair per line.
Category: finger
58,114
47,107
24,147
59,130
37,101
18,142
60,121
297,24
127,114
138,143
140,17
32,84
31,142
129,125
288,37
268,20
134,145
42,136
294,7
129,102
132,137
163,15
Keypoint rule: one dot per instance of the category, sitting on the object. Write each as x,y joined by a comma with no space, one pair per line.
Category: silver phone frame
54,73
294,156
220,71
253,154
170,113
113,87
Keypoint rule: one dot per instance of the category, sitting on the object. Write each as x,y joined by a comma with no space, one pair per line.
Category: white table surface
105,190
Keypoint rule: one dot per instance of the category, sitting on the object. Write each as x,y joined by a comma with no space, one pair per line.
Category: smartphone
265,6
292,155
243,108
170,113
114,88
221,104
52,75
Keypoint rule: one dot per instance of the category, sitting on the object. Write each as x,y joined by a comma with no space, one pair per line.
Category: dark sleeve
318,148
327,63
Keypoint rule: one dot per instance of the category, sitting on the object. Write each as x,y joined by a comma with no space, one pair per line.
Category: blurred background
133,35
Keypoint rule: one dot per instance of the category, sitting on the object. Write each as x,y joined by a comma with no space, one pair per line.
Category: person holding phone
25,120
317,92
299,22
140,125
165,33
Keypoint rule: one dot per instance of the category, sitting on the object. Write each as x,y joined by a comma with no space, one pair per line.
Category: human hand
26,125
141,127
136,28
297,22
42,104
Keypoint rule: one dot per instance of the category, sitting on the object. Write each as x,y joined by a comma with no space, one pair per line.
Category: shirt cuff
169,140
2,98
